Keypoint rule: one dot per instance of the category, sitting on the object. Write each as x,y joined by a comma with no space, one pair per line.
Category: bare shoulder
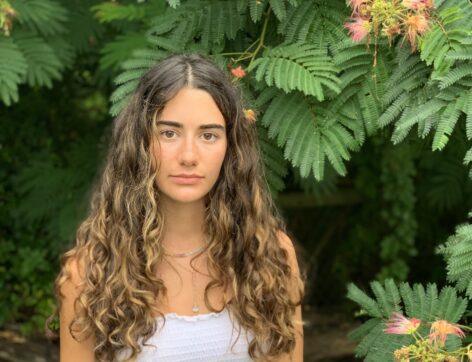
287,244
74,270
285,240
70,349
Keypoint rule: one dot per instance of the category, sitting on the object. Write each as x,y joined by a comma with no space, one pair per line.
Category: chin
185,196
188,200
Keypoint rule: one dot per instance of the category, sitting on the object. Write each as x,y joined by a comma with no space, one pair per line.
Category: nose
188,154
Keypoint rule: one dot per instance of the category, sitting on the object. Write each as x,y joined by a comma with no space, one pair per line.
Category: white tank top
204,337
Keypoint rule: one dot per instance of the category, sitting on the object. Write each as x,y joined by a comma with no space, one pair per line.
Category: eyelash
215,136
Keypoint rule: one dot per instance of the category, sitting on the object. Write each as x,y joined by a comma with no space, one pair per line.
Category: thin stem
245,52
261,39
239,53
250,46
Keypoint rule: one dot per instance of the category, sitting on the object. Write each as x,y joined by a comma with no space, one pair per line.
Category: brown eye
205,135
167,133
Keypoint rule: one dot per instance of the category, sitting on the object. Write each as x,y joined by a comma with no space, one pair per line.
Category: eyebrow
180,125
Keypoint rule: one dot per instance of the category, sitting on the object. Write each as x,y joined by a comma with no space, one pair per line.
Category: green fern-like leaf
360,332
388,302
133,70
63,50
111,11
280,7
276,167
461,71
421,301
352,120
394,110
308,137
43,64
403,95
461,54
370,106
172,30
209,21
297,67
13,67
447,122
217,20
407,76
47,17
355,63
450,307
318,23
445,37
348,55
256,8
413,116
266,96
365,302
468,112
457,252
117,51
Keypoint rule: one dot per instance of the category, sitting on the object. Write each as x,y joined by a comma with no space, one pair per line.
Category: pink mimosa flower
355,4
399,324
441,328
417,4
358,29
428,3
402,354
411,4
391,30
238,72
250,115
416,24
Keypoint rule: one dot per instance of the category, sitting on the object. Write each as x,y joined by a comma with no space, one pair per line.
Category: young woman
183,256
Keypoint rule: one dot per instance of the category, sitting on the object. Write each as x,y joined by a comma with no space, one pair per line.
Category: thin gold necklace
195,307
182,255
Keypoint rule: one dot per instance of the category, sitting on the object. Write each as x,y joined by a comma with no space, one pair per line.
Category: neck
183,225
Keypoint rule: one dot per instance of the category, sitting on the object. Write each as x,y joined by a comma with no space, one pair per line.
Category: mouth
186,180
187,176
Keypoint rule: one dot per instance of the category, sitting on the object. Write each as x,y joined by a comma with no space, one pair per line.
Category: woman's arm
297,356
70,349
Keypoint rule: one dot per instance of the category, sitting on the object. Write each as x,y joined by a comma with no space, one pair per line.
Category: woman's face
190,140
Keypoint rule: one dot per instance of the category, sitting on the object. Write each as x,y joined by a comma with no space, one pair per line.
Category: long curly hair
119,242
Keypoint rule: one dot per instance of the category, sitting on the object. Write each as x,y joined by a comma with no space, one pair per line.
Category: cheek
220,156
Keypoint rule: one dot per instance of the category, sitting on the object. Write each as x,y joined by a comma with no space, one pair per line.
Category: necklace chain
182,255
195,307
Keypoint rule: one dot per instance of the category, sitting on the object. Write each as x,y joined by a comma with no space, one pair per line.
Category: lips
187,176
186,179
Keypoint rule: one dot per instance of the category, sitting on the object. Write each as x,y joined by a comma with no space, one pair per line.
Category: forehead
191,107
